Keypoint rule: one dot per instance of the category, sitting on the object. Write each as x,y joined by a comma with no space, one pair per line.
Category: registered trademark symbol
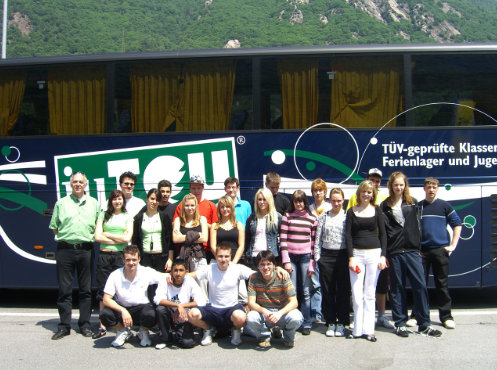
240,140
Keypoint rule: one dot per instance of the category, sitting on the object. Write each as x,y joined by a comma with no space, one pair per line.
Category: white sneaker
330,332
144,338
207,338
160,346
449,324
339,331
236,337
121,337
411,323
383,321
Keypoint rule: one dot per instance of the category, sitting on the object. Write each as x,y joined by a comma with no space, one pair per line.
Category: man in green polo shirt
273,302
73,224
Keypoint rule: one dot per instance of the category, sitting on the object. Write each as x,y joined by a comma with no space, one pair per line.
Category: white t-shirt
223,285
132,293
260,241
325,207
134,205
187,292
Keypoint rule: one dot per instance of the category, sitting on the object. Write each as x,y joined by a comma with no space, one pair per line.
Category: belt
82,246
110,252
153,252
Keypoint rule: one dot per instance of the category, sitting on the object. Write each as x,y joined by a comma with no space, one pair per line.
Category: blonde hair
272,215
196,215
363,186
226,201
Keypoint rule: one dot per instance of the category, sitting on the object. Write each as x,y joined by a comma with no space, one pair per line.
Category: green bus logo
214,159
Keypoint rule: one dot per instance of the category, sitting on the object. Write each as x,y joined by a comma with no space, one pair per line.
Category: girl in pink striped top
297,234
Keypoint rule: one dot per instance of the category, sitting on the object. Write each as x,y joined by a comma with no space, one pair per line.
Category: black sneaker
306,331
402,331
430,332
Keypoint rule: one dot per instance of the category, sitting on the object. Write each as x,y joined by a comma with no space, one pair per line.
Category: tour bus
304,112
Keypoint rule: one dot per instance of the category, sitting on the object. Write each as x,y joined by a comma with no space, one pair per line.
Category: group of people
287,263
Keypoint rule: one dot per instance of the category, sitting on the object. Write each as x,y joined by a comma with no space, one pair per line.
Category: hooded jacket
401,239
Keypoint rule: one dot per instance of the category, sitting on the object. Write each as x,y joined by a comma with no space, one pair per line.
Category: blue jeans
302,284
405,266
316,296
289,323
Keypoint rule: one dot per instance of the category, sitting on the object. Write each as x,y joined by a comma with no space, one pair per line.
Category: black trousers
438,260
408,266
184,331
155,260
70,261
107,262
335,286
142,315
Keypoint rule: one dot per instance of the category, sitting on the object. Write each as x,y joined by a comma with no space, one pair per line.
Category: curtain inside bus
197,96
12,85
76,100
154,91
366,91
206,96
299,92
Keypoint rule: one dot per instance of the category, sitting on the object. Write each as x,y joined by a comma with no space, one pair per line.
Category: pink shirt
297,235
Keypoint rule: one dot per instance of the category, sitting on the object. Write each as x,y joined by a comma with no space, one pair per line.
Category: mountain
65,27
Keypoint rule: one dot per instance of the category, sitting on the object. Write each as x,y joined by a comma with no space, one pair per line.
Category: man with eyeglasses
73,224
273,302
127,182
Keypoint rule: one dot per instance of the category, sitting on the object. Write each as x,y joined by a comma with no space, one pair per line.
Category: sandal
99,333
370,338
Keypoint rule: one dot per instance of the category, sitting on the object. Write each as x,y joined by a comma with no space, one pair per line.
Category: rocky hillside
62,27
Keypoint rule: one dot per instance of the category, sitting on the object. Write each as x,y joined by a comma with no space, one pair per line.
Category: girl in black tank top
227,229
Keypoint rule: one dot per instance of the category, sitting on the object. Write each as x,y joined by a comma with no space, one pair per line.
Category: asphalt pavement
27,324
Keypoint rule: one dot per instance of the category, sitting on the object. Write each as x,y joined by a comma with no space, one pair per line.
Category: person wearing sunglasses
127,182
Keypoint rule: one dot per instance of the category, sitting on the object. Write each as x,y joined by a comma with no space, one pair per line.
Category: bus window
33,115
467,80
